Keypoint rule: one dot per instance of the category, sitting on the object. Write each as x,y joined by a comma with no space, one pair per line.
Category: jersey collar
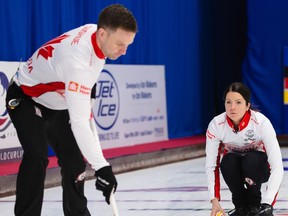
243,123
97,49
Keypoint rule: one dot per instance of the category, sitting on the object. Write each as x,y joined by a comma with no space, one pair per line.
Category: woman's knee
229,161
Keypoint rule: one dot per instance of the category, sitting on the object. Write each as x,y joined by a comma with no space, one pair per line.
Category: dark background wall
223,46
263,68
202,43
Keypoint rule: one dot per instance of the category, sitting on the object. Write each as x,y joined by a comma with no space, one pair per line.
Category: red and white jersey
255,133
60,75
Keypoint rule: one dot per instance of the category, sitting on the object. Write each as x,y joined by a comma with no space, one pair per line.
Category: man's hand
105,181
266,210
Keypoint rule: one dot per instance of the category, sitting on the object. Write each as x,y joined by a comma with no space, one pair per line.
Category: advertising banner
130,105
130,108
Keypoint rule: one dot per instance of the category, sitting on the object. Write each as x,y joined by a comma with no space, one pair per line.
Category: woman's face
235,106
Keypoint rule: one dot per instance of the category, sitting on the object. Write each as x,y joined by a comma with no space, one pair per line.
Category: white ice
177,189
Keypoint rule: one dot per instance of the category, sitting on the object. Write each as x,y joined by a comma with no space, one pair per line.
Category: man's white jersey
60,75
255,133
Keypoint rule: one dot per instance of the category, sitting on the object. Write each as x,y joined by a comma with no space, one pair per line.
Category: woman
251,156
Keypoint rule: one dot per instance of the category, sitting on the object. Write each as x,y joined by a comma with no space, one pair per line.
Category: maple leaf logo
46,50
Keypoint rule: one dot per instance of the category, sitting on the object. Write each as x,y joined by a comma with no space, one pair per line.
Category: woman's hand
216,207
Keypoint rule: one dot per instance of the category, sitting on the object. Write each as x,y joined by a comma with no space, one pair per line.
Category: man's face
115,43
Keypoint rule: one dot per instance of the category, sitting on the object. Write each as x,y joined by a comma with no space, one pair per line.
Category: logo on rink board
4,118
107,101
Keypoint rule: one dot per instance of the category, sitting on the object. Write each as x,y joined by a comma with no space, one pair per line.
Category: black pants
244,175
37,127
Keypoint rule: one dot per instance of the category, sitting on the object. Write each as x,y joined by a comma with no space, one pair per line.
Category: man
49,102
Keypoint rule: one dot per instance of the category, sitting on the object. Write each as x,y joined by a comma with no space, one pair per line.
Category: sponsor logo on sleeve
73,86
85,90
76,87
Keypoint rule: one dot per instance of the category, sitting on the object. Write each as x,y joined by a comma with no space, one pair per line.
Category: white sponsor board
130,108
130,105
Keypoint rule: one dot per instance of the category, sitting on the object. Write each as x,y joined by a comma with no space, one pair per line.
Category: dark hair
117,16
241,89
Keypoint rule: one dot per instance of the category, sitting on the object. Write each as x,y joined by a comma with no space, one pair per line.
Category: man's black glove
266,210
105,181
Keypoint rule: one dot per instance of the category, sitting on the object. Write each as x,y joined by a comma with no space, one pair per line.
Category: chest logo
250,136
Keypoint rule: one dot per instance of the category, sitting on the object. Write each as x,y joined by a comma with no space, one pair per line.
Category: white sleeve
79,81
212,161
275,161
